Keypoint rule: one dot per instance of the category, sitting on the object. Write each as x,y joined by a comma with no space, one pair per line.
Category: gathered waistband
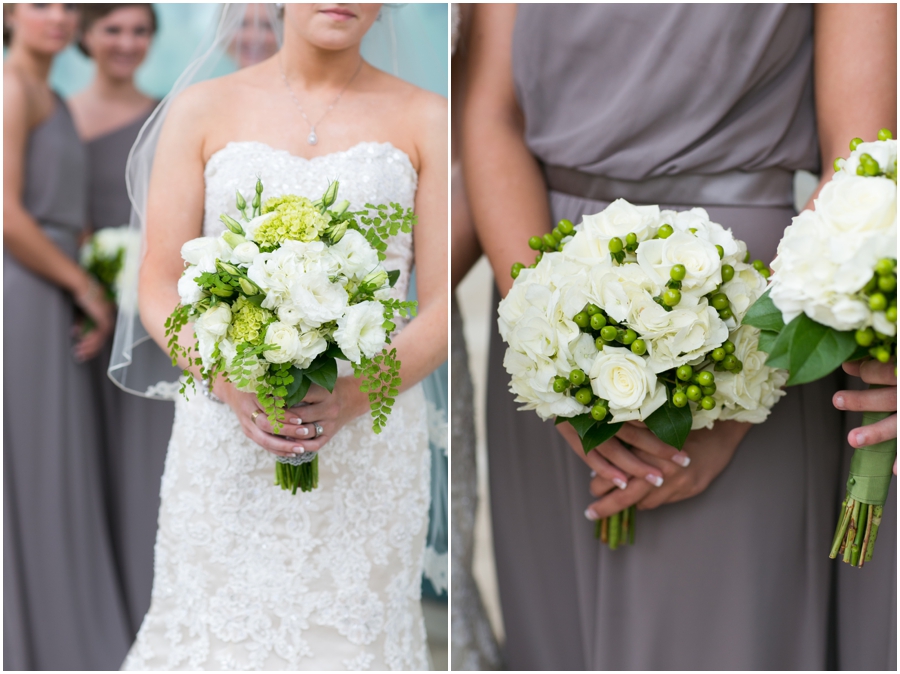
773,187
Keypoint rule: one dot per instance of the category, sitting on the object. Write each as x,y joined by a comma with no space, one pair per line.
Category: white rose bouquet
109,255
635,314
278,297
833,298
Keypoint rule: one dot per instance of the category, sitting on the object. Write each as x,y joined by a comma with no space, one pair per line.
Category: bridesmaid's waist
768,187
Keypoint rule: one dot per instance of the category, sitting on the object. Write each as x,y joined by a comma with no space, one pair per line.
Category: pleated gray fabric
62,607
739,576
135,430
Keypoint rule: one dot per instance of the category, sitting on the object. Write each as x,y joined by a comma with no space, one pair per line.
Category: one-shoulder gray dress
136,430
62,607
682,106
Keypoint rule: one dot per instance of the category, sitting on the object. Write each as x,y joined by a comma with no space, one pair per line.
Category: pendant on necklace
312,138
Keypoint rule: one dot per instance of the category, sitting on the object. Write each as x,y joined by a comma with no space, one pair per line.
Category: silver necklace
312,138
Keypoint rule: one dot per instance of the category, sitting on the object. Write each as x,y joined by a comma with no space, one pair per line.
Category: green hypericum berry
584,395
535,243
718,354
837,165
615,245
598,411
720,301
854,143
765,273
705,378
865,337
871,285
560,384
678,272
891,314
639,346
747,257
725,314
885,134
860,170
566,227
631,239
549,242
721,251
693,393
577,377
672,297
592,309
882,354
730,362
738,367
887,283
597,321
708,403
708,390
679,399
516,268
877,302
685,372
608,333
885,266
727,273
870,166
759,265
558,235
630,336
582,320
665,231
728,346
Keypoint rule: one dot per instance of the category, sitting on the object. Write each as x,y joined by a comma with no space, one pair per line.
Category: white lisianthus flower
532,382
354,256
210,328
204,251
286,338
244,253
621,218
700,258
316,298
312,343
624,379
360,331
188,289
275,272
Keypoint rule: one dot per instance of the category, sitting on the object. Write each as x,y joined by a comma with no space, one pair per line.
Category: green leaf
598,434
297,389
671,424
763,314
780,351
582,423
767,339
323,372
393,276
817,350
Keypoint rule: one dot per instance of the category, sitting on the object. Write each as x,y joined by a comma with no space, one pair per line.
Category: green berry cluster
618,249
544,244
881,294
606,330
576,383
868,166
697,386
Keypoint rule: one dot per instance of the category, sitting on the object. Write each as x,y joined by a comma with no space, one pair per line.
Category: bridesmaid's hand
329,411
255,424
872,400
93,302
710,451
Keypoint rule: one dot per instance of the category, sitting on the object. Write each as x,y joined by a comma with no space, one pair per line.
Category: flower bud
231,224
330,194
227,268
335,231
259,187
247,288
239,199
232,239
375,280
341,208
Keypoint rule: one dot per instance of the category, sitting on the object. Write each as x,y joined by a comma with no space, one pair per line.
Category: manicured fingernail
859,438
619,482
298,420
682,460
299,449
655,480
591,515
839,402
302,431
593,473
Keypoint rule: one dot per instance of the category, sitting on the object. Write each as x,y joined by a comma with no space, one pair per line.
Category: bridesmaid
108,115
61,603
570,107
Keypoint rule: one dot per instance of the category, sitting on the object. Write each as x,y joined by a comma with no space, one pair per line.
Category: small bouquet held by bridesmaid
109,255
282,294
833,298
635,314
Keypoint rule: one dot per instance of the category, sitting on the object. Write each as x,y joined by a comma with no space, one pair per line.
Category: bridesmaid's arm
25,238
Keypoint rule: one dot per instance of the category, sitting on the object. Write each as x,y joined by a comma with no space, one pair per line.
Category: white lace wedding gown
248,576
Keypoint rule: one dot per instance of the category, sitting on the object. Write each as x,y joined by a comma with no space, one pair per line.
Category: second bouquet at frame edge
635,314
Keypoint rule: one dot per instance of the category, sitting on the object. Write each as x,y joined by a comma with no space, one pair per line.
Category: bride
246,575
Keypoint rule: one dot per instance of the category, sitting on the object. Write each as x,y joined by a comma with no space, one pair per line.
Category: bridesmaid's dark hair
92,12
7,33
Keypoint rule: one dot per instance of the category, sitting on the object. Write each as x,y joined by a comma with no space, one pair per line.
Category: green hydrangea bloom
248,322
296,218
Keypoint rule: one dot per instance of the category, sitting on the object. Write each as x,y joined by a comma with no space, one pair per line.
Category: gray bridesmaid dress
62,607
136,430
679,105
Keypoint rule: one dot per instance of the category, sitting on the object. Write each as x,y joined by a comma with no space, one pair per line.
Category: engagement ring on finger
253,416
319,429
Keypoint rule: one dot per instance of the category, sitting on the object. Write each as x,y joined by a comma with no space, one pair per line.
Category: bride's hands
255,423
709,450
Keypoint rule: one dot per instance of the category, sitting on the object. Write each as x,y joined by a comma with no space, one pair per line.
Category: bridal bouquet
636,315
109,256
833,298
282,294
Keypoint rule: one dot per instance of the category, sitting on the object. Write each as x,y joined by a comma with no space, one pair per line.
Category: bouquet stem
304,476
617,529
871,470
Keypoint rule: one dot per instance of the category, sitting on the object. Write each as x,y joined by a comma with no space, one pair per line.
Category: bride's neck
314,68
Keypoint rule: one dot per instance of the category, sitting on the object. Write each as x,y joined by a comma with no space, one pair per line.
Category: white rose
204,251
699,258
286,338
858,205
621,218
624,379
354,255
244,253
188,289
360,331
680,336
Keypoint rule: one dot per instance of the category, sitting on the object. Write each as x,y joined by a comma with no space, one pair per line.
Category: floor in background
436,627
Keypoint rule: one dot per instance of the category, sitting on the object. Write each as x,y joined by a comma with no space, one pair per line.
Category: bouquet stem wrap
871,470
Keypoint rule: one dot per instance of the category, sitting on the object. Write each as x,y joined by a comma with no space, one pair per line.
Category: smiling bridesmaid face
331,26
46,28
118,42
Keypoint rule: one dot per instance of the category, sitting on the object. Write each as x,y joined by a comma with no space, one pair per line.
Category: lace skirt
249,577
